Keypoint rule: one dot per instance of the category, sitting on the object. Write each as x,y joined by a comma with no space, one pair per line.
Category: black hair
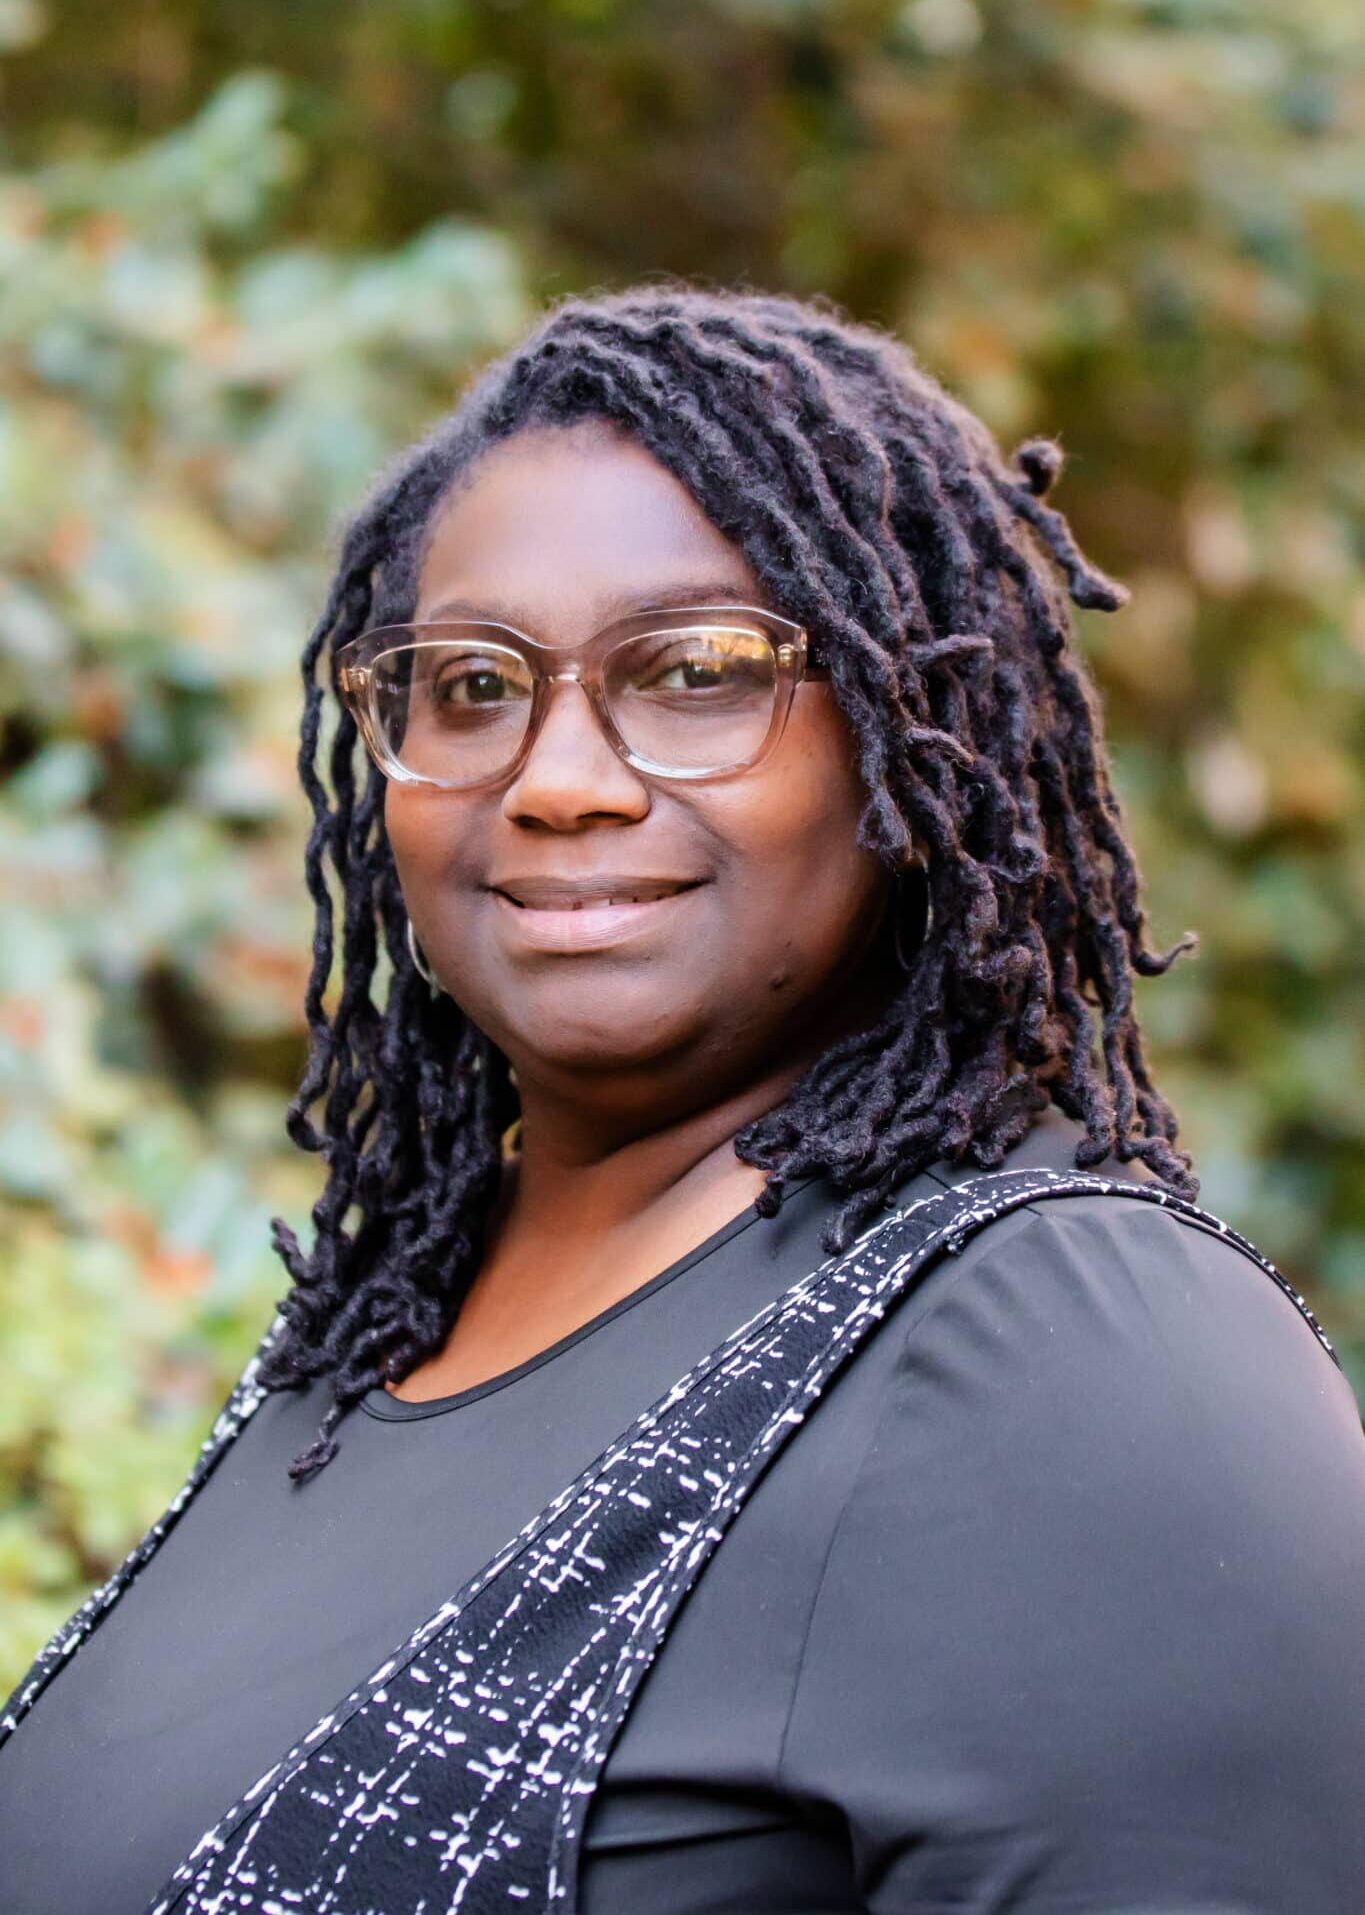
880,513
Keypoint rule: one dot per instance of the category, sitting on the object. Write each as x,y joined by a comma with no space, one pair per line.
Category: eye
476,681
709,662
691,674
473,685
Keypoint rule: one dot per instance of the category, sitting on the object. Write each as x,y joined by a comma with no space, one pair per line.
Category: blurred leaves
247,252
187,405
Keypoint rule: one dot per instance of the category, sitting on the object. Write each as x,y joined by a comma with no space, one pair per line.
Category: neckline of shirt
384,1407
387,1408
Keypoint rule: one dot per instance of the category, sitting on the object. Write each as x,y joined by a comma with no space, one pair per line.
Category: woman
738,828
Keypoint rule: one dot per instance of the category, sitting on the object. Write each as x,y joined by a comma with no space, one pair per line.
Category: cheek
810,890
434,836
400,821
410,830
437,839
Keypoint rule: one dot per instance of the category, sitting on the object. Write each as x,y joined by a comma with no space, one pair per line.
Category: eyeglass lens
687,698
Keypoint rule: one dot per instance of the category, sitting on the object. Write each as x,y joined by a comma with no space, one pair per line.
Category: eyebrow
617,605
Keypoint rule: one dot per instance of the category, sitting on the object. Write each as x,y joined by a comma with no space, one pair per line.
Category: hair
879,512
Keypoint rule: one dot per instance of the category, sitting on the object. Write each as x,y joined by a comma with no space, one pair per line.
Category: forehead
563,525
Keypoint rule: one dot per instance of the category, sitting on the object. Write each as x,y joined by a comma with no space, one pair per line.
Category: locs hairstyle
881,513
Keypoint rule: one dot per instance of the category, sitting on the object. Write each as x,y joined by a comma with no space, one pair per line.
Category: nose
572,776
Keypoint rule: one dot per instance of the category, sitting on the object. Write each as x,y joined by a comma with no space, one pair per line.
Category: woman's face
770,905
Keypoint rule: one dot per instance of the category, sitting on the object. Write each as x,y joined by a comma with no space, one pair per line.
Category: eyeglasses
696,691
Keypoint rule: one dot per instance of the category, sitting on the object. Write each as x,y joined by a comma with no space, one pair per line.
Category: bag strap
461,1772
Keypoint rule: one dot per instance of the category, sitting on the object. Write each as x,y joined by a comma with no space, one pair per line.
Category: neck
603,1174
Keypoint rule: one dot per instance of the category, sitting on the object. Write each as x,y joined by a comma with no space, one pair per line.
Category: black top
1055,1603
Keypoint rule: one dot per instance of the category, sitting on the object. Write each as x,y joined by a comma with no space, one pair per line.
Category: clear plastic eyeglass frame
583,665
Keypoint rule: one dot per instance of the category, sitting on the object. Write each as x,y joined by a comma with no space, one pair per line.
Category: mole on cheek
780,978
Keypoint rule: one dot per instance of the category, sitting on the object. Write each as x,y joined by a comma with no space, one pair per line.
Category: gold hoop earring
420,964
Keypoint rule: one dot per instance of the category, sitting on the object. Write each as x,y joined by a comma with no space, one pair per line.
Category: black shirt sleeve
1091,1631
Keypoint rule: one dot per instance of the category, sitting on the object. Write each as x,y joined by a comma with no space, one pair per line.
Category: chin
600,1025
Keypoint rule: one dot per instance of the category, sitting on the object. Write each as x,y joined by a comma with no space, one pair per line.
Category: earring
422,967
918,865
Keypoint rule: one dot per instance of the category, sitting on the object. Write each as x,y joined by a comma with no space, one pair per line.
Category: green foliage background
247,250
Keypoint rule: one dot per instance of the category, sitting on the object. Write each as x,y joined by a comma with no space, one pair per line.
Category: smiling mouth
558,918
544,894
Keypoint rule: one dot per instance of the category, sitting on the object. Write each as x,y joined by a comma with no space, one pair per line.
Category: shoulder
1082,1272
1123,1276
1113,1328
1103,1558
1098,1414
1124,1339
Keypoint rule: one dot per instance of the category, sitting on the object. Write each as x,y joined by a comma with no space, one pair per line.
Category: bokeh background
247,250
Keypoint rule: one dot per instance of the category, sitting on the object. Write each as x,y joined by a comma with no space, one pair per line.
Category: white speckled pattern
458,1775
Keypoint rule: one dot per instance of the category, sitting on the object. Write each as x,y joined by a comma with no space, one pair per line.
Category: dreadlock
882,515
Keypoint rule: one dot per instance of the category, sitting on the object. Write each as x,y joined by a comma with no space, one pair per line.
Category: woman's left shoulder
1110,1366
1161,1298
1092,1611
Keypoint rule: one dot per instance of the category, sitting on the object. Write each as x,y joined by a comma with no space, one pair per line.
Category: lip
599,887
589,914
